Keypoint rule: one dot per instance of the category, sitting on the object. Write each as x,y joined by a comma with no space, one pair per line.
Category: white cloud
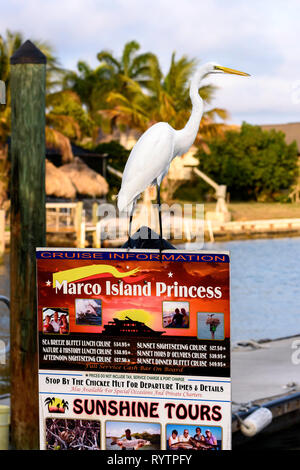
276,97
259,37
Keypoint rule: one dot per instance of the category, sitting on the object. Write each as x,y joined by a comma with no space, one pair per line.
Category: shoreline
59,240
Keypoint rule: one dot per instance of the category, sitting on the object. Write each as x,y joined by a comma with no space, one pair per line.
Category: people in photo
213,324
64,327
192,437
210,438
177,319
174,438
175,314
185,437
55,322
127,437
47,327
199,436
185,318
130,443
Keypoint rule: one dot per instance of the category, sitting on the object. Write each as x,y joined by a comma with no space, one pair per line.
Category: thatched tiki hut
58,184
85,180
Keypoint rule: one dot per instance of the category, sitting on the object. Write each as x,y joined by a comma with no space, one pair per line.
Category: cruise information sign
134,352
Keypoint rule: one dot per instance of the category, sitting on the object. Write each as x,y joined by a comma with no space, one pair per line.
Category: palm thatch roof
60,142
58,184
85,180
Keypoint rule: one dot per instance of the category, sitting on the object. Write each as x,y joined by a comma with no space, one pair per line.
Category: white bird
151,156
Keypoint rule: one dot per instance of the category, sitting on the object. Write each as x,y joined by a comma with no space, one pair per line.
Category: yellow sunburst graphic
135,314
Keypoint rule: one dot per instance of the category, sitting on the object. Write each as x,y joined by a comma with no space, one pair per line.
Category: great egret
151,156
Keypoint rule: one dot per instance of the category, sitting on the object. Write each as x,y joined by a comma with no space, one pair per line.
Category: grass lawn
263,210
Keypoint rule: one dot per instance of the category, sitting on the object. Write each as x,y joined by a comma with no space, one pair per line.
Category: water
264,287
4,290
109,445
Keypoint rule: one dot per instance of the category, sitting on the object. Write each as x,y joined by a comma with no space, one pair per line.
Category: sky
258,37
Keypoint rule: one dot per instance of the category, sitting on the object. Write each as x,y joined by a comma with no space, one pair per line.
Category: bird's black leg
129,228
160,222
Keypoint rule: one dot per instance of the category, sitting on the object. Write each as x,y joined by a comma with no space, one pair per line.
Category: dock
68,224
266,373
257,228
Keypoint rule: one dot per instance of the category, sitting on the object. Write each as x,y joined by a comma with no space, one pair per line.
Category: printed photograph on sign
88,311
56,321
72,434
132,435
176,314
210,326
193,437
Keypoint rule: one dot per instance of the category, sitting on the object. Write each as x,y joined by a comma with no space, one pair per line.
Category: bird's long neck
186,136
197,103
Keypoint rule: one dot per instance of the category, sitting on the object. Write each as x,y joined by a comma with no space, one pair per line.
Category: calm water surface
4,290
264,287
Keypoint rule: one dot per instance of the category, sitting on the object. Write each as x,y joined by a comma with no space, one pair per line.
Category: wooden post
96,235
2,234
78,222
28,70
2,212
2,92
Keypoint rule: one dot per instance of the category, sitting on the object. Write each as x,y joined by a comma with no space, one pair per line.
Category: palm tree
171,100
130,79
162,98
131,65
114,80
65,117
8,46
48,401
91,85
65,404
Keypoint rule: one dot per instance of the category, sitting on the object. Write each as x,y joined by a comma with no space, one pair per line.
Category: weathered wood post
96,234
78,223
2,92
28,71
2,234
2,212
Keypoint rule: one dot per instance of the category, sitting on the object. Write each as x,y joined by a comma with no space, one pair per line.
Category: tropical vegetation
254,164
130,93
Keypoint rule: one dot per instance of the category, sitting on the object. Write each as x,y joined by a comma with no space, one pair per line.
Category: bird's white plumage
150,158
147,163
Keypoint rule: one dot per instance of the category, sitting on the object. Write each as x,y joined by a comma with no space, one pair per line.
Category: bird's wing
149,159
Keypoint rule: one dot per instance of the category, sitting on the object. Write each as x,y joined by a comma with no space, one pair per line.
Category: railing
295,194
4,349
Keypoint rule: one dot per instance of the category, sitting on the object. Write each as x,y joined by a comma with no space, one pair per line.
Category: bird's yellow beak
232,71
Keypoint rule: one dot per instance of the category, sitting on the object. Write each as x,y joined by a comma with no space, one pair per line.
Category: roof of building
76,150
85,180
291,131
